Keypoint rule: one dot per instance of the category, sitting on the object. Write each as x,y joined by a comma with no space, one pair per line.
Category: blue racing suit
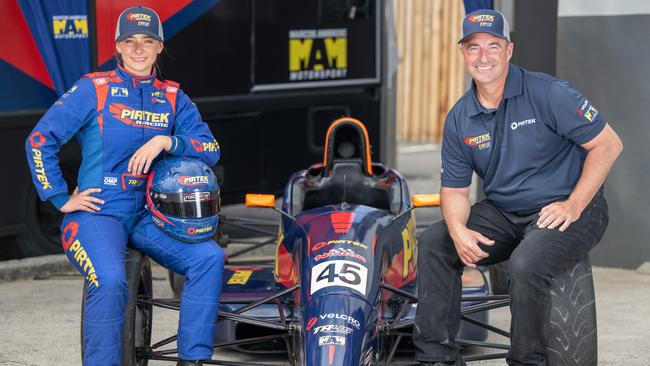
113,114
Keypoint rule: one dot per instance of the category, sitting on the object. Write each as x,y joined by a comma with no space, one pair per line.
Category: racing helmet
183,199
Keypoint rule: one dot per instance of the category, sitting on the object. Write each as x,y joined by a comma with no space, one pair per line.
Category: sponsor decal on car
311,323
332,328
318,54
331,340
322,244
340,252
347,318
339,273
73,245
240,277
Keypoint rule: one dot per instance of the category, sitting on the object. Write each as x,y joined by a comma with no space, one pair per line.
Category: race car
342,289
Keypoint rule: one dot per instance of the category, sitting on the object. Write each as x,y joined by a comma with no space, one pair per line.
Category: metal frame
392,330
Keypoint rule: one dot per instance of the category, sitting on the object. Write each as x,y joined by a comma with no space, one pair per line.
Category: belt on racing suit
125,181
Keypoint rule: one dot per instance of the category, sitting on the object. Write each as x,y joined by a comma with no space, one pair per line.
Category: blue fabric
60,29
136,110
107,147
532,140
473,5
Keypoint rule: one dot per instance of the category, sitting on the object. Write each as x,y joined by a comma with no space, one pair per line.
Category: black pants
536,256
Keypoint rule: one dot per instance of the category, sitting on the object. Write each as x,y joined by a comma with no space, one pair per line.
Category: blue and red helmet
183,199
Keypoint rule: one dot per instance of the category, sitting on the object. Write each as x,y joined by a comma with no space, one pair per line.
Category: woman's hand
82,201
141,160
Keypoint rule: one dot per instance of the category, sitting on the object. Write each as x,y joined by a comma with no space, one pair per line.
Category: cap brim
492,33
129,34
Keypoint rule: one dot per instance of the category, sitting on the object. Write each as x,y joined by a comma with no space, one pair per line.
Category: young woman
124,119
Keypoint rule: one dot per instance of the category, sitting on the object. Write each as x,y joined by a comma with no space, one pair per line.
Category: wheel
572,337
499,281
136,331
176,281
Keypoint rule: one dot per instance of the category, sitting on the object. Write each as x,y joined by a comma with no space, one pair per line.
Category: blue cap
138,20
485,21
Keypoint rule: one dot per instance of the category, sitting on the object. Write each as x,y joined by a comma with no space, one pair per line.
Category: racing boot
189,363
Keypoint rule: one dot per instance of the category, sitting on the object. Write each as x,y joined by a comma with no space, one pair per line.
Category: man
543,151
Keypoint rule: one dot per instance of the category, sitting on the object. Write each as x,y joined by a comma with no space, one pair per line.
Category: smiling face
139,53
486,58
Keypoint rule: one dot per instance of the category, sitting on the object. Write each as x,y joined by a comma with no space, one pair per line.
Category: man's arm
456,209
602,151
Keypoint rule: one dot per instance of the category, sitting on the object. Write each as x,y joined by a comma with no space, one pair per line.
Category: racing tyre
572,336
136,331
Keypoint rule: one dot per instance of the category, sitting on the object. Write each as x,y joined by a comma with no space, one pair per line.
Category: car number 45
339,273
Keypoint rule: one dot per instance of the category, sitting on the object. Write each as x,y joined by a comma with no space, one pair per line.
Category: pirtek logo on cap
135,17
481,18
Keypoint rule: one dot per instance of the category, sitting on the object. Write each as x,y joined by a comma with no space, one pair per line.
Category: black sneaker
189,363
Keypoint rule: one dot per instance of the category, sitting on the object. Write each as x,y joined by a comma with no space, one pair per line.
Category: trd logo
70,26
318,54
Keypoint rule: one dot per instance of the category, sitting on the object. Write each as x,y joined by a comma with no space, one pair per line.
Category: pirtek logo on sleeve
37,140
204,146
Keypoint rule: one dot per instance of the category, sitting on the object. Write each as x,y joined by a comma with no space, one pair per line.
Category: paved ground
39,319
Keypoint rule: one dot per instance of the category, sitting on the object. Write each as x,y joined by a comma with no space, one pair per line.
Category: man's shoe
189,363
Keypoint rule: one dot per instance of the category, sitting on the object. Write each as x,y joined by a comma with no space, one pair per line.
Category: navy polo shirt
527,151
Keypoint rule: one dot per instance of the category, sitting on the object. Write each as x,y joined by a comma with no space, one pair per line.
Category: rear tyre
136,331
572,336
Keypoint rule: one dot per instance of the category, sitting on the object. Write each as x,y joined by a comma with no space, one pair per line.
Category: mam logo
318,54
70,26
588,111
141,119
119,92
197,180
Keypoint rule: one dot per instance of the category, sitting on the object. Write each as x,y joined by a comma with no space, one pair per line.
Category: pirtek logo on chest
138,118
476,140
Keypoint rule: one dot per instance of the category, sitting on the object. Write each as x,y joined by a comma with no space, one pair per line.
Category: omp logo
141,119
136,17
36,140
100,81
193,196
197,180
204,146
482,141
318,54
73,245
171,89
481,18
110,181
119,92
70,26
201,230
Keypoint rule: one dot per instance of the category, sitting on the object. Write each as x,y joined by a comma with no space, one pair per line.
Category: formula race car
342,289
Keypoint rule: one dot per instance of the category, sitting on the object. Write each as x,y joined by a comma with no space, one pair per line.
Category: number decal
339,273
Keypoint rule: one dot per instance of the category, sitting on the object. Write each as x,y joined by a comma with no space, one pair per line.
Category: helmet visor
183,205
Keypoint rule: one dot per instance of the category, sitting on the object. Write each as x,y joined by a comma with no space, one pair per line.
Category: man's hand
562,214
141,160
466,243
82,201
